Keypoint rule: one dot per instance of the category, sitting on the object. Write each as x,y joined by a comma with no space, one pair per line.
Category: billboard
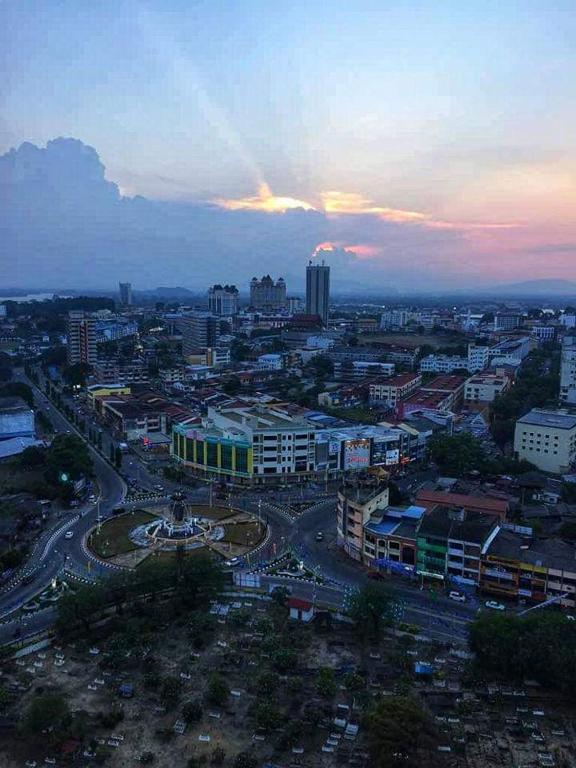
357,453
383,455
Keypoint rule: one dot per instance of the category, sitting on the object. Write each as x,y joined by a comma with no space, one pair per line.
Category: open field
113,537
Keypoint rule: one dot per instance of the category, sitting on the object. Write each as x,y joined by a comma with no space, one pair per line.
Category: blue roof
386,526
414,512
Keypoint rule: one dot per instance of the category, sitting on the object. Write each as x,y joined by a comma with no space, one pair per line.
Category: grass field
245,534
214,513
113,538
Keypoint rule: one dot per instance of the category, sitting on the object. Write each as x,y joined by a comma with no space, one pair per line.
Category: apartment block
547,439
391,391
483,388
568,370
81,338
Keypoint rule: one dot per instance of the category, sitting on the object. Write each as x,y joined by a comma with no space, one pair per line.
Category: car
92,498
459,597
570,617
233,562
159,487
494,606
319,536
68,534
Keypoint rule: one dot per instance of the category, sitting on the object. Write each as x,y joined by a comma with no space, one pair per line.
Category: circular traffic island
128,539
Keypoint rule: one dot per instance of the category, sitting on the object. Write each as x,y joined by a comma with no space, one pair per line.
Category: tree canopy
539,645
400,732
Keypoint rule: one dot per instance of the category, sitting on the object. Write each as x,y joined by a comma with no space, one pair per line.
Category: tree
33,456
170,692
326,682
267,683
76,375
510,647
245,760
399,731
68,456
267,715
218,756
218,691
232,386
18,389
371,607
46,711
192,712
456,455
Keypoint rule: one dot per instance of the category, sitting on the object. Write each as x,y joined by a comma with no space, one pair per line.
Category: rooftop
539,417
478,503
444,384
397,381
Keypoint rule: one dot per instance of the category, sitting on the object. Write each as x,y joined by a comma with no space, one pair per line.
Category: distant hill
534,288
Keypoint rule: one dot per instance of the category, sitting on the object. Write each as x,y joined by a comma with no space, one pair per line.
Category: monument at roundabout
181,527
130,537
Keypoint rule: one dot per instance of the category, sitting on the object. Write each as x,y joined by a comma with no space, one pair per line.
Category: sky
426,144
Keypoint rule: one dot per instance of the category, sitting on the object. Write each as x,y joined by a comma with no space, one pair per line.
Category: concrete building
199,330
568,370
478,357
507,321
511,351
359,369
110,371
452,386
125,290
223,300
394,318
390,540
248,444
482,388
270,362
266,294
294,304
391,391
547,439
358,500
318,290
449,544
81,338
517,567
443,363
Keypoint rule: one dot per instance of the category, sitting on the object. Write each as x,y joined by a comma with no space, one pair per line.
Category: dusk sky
435,140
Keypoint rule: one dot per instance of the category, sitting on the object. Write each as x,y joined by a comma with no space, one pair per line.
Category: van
457,596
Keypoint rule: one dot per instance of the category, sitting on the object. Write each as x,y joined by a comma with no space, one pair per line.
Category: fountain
177,529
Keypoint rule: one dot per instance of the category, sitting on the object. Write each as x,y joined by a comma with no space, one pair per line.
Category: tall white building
478,357
568,370
223,300
125,290
81,338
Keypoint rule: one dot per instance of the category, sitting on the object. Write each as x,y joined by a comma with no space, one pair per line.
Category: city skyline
425,146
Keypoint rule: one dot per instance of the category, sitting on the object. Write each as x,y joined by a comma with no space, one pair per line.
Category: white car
457,596
494,606
233,562
68,534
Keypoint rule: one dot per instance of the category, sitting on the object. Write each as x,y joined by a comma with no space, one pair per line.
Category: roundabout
128,539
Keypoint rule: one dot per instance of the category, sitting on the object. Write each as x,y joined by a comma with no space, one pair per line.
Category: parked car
459,597
319,536
494,606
